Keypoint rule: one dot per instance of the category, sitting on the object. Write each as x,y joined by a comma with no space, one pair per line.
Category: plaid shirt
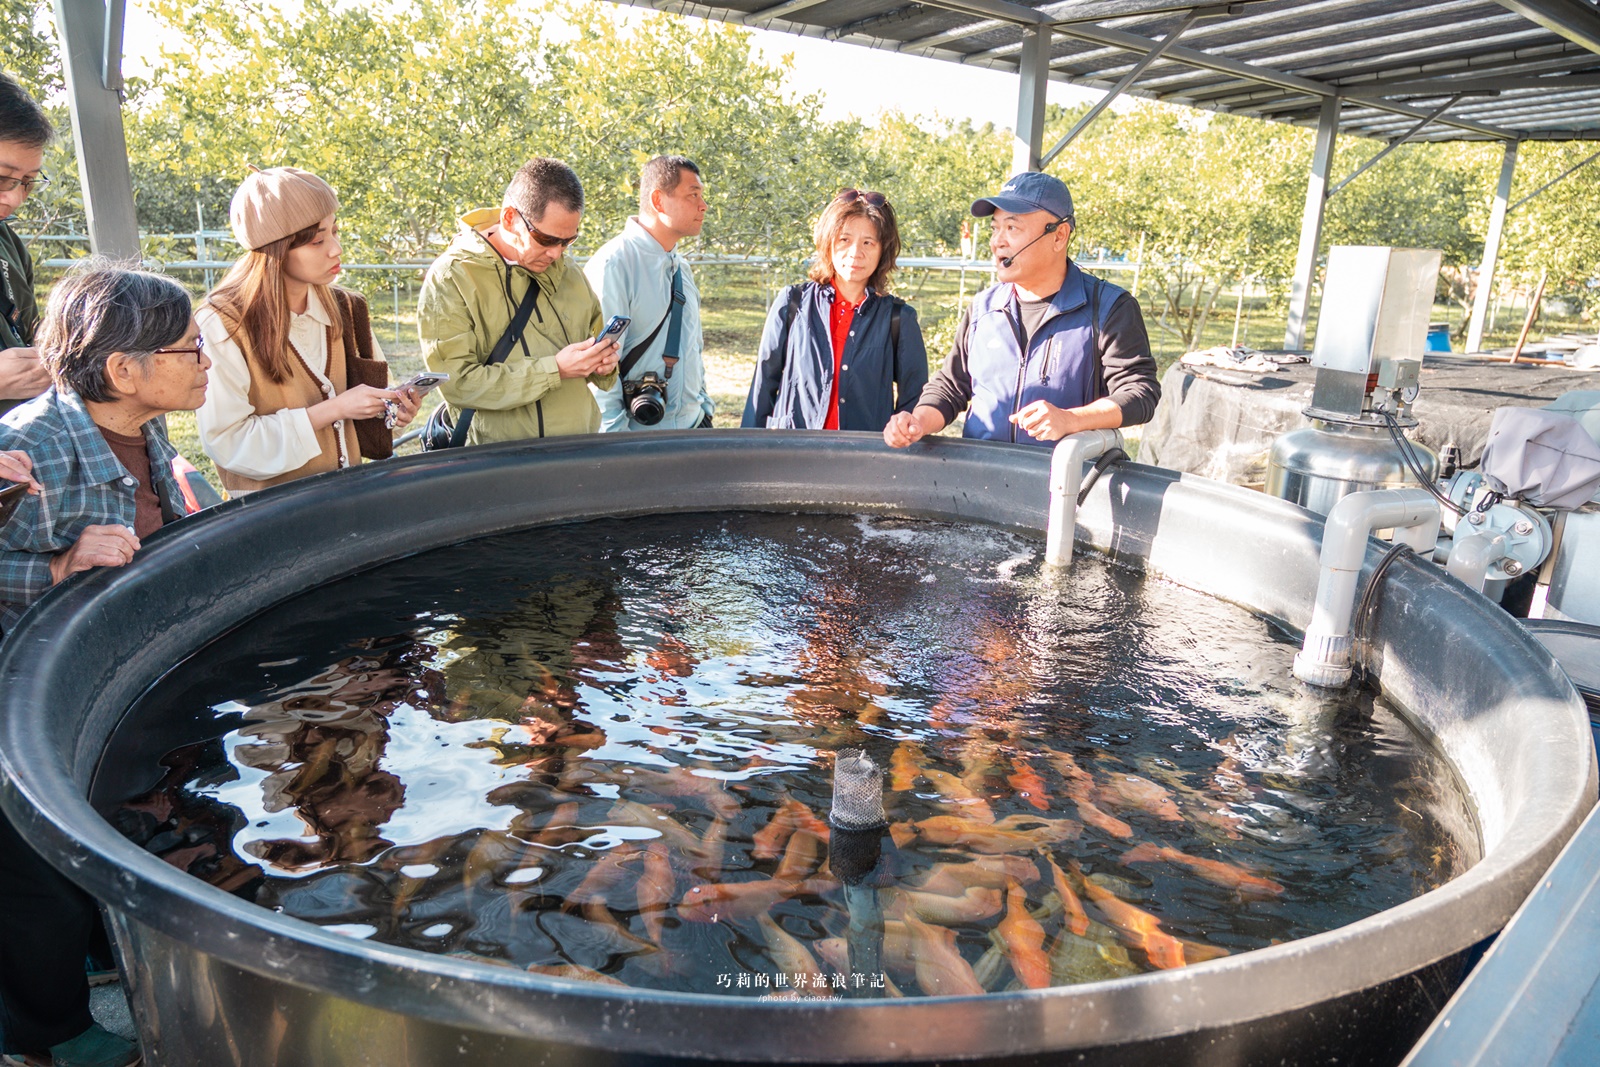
84,485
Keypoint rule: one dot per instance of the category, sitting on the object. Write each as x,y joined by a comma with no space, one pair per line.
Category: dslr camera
645,398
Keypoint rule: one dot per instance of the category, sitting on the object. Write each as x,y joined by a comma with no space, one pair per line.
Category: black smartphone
10,497
613,330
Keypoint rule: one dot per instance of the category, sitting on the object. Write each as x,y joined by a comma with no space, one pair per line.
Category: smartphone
613,330
423,381
10,497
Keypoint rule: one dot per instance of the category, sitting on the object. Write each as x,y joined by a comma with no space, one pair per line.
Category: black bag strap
502,349
894,334
674,315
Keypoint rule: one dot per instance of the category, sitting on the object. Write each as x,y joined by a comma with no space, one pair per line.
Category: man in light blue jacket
634,274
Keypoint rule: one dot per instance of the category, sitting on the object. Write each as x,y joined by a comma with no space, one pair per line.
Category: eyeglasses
197,351
869,197
27,185
540,236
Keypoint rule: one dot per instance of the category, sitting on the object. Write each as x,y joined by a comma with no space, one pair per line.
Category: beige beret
275,203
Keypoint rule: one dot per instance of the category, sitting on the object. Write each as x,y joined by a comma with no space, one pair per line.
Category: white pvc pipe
1066,477
1324,658
1471,557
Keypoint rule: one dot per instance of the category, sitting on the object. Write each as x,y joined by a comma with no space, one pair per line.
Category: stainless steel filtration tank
218,981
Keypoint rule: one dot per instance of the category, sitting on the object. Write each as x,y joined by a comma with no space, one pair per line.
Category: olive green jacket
19,309
468,299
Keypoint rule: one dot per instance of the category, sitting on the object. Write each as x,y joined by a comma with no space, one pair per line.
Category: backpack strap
894,333
502,349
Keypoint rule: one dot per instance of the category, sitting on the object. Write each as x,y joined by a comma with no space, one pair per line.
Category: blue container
1438,338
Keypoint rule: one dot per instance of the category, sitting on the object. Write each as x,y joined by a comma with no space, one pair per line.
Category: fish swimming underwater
1216,872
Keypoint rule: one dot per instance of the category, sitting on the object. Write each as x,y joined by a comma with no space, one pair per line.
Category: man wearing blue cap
1046,351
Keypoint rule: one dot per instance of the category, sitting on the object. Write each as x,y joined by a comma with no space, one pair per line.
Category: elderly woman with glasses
298,383
839,352
122,350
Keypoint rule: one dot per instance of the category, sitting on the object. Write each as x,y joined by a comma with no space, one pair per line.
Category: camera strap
674,316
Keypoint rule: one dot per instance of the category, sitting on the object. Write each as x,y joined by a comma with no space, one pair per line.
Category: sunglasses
197,351
869,197
541,237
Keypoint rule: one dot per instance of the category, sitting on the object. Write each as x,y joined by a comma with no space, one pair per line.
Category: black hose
1107,458
1409,456
1364,608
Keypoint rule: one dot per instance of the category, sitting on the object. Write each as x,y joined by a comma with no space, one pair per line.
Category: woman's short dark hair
22,120
99,308
845,207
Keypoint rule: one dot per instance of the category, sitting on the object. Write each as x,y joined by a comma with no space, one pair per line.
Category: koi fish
575,972
940,969
768,841
1214,871
562,827
1131,792
655,889
800,858
904,767
733,900
895,953
1142,929
975,904
990,872
790,956
1077,918
627,941
1068,768
682,782
645,817
1028,785
603,874
999,837
711,848
1024,940
1075,958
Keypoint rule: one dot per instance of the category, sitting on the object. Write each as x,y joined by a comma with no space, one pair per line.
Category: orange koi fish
1142,929
1077,918
770,839
1214,871
1024,940
989,872
733,900
711,847
682,782
1100,820
791,957
940,969
1028,785
1121,789
999,837
904,767
603,874
971,906
800,858
627,941
655,889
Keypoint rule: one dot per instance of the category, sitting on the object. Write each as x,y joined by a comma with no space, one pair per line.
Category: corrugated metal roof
1520,69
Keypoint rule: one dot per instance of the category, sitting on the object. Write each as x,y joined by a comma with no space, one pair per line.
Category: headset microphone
1048,230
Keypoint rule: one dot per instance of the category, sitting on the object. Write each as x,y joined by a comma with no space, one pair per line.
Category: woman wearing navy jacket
838,352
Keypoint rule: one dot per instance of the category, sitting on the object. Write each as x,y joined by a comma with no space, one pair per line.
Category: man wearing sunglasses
24,133
502,262
1046,351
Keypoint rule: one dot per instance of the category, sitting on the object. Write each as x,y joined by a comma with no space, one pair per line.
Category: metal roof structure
1483,69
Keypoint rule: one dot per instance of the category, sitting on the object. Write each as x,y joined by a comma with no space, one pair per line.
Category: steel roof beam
1392,145
1569,172
1127,79
1206,61
779,11
1577,22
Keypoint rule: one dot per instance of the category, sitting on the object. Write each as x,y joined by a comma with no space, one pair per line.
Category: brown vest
302,390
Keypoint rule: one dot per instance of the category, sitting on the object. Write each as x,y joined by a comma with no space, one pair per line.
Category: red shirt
840,320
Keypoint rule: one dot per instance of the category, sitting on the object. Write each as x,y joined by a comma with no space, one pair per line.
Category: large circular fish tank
523,754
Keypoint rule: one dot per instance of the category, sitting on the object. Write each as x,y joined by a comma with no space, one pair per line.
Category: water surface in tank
603,751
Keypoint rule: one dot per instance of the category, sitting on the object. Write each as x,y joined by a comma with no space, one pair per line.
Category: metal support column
1033,70
97,126
1491,248
1305,261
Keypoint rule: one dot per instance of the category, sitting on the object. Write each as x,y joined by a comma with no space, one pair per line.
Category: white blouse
234,436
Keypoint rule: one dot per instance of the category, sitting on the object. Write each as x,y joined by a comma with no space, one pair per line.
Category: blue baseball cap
1031,190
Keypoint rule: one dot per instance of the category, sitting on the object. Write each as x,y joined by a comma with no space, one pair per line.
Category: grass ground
734,309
